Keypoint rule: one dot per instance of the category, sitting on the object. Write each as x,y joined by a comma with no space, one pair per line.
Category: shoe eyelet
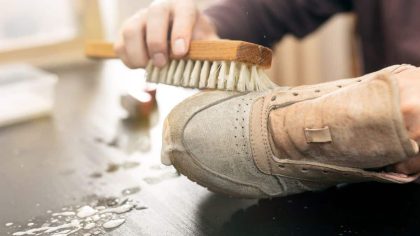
317,91
359,80
325,172
295,94
282,166
339,86
304,170
273,98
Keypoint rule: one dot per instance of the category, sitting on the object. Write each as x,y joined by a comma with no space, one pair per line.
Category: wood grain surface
211,50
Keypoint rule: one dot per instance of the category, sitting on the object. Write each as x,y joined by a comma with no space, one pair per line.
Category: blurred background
51,32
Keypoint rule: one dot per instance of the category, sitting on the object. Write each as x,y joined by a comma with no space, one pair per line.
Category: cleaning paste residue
85,221
113,223
130,191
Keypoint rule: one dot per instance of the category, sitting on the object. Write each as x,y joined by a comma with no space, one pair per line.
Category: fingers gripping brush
217,64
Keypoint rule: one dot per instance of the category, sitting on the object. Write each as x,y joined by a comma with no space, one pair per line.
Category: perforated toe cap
207,139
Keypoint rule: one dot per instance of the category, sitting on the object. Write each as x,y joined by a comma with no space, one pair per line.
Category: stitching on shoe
243,129
249,154
251,133
334,87
257,161
333,170
221,177
397,119
199,164
281,184
349,84
264,128
262,115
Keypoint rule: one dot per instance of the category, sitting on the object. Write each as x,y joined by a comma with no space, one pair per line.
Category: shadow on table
359,209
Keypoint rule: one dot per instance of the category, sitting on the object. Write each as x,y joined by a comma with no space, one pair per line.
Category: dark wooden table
88,152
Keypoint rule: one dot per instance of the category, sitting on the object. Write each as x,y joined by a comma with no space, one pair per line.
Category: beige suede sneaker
290,140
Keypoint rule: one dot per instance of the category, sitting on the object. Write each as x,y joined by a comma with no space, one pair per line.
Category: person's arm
267,21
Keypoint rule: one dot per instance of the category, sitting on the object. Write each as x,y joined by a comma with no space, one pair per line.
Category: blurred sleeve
266,21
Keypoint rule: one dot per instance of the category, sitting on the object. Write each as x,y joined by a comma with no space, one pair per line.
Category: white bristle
259,85
244,77
155,75
195,75
264,81
232,78
256,79
212,81
149,69
204,74
251,86
163,74
187,73
171,72
223,74
179,72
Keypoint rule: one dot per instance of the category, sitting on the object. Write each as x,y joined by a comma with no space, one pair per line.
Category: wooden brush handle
210,50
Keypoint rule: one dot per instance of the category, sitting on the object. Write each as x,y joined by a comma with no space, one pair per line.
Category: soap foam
113,223
86,220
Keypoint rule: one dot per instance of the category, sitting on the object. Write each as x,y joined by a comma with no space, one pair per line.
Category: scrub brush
216,64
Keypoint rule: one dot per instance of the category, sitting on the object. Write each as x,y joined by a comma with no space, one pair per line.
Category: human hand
145,35
409,84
